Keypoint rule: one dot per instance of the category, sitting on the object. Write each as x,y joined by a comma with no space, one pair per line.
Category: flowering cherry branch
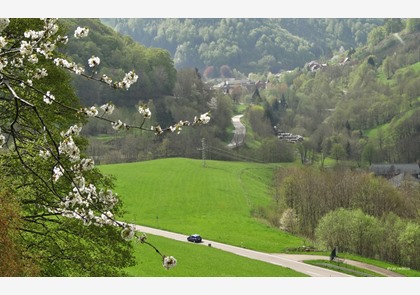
25,133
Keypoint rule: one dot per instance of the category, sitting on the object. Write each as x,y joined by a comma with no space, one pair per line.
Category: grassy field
215,201
182,196
200,261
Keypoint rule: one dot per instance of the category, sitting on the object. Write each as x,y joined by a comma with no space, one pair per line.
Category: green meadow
215,200
200,261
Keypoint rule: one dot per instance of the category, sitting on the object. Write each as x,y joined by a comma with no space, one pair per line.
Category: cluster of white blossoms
84,200
169,262
118,125
81,32
2,139
61,62
94,61
48,98
145,111
108,108
203,119
129,79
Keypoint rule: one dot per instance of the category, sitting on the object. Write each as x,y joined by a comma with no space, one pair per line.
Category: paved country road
239,133
292,261
289,261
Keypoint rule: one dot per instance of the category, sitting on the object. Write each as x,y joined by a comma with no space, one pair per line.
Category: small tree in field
66,206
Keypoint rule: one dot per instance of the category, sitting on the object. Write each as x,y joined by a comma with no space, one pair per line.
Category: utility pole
203,151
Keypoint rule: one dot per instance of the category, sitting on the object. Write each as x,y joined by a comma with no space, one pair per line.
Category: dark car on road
195,238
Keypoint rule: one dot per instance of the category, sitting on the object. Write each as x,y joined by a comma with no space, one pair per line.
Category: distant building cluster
313,66
289,137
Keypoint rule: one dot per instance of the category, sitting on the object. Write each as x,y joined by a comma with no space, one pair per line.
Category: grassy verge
405,271
344,268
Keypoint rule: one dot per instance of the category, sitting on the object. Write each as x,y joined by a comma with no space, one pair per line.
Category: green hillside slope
215,201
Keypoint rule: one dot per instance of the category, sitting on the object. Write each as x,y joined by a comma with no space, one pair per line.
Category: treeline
246,45
354,210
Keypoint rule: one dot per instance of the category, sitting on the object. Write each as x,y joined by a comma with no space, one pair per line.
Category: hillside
364,79
246,45
220,201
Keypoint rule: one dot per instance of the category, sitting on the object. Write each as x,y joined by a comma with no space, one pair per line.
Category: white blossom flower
87,164
72,131
80,183
91,112
129,79
31,34
94,61
26,48
4,22
158,130
118,125
33,58
17,62
58,171
3,42
204,119
106,79
48,98
108,108
61,62
127,233
169,262
68,147
81,32
50,25
62,39
2,140
45,154
69,65
40,73
46,47
145,111
3,63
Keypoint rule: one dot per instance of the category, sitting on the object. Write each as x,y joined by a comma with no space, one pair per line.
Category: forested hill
246,45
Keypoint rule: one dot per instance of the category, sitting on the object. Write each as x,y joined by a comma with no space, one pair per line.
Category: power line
231,155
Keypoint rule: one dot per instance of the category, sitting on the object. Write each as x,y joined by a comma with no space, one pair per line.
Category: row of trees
353,210
388,238
312,193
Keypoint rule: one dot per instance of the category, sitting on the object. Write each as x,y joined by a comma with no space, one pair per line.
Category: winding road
239,132
291,261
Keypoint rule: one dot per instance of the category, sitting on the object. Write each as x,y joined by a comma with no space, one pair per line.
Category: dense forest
246,45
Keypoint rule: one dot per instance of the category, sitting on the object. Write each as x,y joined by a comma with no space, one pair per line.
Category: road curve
239,133
288,261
